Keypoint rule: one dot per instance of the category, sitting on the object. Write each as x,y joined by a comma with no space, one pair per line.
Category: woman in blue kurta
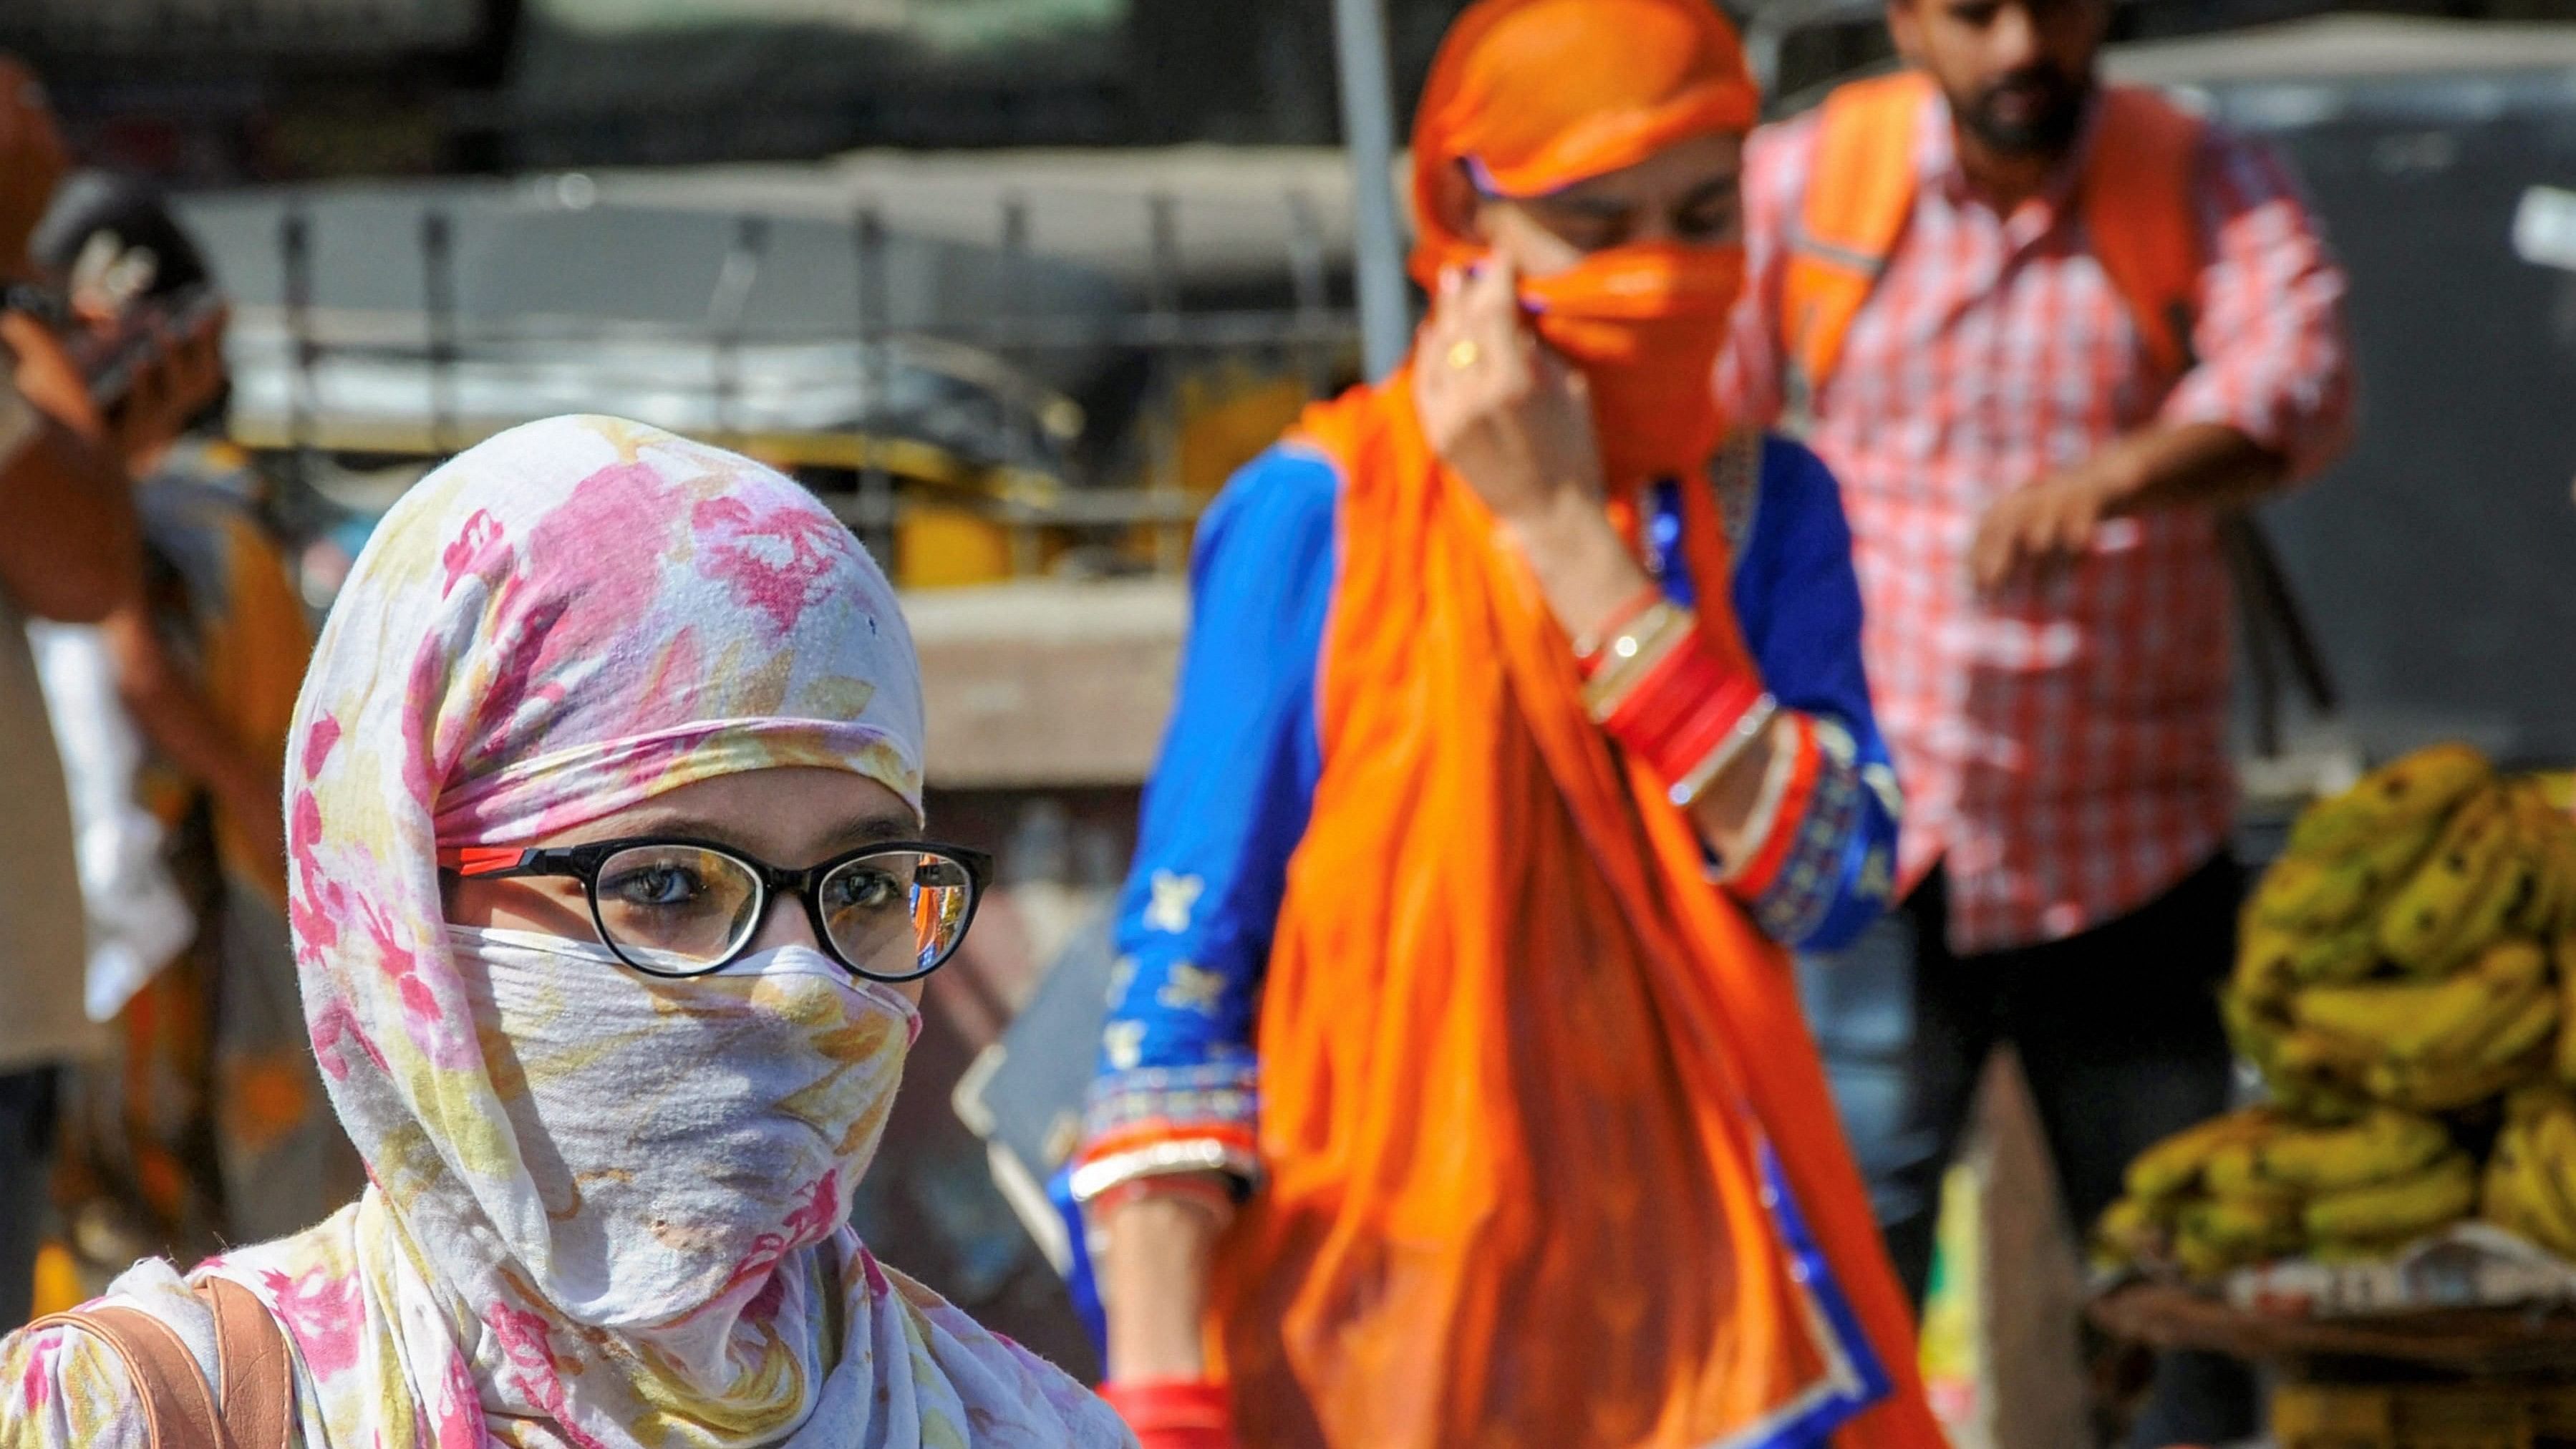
1454,1088
1229,798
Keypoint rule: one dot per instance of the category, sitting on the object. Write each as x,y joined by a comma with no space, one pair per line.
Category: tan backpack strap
258,1373
178,1410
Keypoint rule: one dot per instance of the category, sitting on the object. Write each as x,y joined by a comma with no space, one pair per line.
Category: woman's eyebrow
874,828
859,831
673,822
1710,190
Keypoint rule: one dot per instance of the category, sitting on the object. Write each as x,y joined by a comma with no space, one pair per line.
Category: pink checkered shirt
2062,742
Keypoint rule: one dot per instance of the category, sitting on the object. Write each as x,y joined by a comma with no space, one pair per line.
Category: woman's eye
1596,234
655,885
1705,223
864,890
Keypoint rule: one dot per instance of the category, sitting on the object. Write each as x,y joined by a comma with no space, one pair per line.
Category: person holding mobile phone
206,1123
68,551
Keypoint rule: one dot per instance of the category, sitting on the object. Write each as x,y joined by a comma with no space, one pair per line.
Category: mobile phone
117,360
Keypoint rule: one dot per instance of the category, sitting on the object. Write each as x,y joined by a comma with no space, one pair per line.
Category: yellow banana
2440,1086
2174,1165
2318,894
2384,1145
2564,954
2414,1020
2548,837
2523,1195
2202,1260
2556,788
2504,1191
2339,959
2236,1170
2272,961
2427,921
2550,1150
2252,1029
2416,787
2266,958
2312,1099
2256,1226
2526,1105
2309,1053
2442,1193
2491,913
2527,1030
2310,893
2132,1230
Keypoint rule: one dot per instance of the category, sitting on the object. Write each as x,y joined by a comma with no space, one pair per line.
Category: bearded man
2046,332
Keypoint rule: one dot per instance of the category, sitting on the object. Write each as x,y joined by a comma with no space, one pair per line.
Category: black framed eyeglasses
892,911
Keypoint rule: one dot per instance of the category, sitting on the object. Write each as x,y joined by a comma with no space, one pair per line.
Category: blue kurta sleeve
1228,802
1798,602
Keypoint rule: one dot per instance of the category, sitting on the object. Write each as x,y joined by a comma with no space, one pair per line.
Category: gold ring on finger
1463,354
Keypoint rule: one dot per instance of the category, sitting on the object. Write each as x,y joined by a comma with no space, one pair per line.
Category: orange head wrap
1535,95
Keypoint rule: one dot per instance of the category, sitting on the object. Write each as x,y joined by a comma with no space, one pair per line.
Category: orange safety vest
2137,196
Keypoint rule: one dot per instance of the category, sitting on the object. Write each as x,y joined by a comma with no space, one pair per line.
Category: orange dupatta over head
1528,97
1550,1156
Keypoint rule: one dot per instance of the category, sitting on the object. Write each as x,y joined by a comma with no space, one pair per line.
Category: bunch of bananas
2411,957
2400,951
2531,1175
2261,1184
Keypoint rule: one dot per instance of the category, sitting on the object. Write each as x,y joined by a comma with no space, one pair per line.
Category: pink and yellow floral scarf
583,1229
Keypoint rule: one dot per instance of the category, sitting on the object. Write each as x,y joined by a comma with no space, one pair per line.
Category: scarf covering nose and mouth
607,1210
1536,95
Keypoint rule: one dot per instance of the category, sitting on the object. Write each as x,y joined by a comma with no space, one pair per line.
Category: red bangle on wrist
1683,710
1175,1413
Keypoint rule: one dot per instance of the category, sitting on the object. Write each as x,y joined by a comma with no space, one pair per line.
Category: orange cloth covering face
1520,1060
1536,95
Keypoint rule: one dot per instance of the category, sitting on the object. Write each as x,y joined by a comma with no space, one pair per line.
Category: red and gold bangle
1684,708
1634,654
1588,646
1739,737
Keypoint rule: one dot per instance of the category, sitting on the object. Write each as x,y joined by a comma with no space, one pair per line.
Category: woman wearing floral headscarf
600,801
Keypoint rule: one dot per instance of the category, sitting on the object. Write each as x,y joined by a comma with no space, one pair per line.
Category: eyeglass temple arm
484,860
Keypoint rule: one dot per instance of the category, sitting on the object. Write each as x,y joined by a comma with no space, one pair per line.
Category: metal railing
959,404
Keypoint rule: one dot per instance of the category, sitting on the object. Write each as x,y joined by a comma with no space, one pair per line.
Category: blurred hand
184,376
2046,525
1505,413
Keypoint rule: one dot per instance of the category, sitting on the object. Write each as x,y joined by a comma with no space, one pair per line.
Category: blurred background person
2048,333
206,1124
67,552
1454,1089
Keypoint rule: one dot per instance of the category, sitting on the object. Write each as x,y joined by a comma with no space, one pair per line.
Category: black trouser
2119,1037
27,1103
